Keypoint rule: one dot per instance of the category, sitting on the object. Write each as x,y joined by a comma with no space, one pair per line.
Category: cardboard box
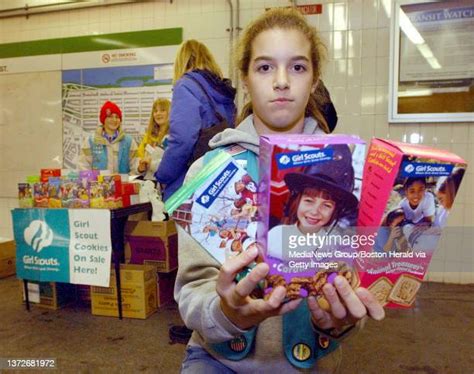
308,200
219,207
25,195
407,194
142,216
83,294
152,243
46,173
128,200
130,188
165,287
139,296
49,295
7,257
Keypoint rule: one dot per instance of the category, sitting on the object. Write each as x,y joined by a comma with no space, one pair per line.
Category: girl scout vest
99,155
302,345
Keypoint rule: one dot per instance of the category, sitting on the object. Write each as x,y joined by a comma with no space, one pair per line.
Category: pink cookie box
407,193
294,227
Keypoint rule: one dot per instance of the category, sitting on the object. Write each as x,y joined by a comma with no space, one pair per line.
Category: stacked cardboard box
152,243
49,295
165,287
83,294
139,297
7,257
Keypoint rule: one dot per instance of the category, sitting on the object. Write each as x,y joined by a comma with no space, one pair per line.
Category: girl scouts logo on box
423,169
217,185
303,158
38,235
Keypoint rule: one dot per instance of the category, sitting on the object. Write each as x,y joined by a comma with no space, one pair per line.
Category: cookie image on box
381,289
404,290
313,285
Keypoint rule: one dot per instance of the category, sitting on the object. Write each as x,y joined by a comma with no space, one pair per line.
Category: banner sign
63,245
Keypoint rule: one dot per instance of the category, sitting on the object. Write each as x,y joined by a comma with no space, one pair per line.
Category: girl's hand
237,305
395,232
347,305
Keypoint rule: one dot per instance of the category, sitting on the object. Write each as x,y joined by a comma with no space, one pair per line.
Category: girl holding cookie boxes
279,59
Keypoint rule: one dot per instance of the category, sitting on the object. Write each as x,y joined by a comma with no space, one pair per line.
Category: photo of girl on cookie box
309,195
407,195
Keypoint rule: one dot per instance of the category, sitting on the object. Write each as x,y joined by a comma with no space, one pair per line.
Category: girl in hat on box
320,197
109,148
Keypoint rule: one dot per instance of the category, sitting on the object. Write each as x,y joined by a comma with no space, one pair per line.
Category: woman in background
201,98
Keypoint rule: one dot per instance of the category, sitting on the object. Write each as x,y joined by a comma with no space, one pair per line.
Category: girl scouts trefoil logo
38,235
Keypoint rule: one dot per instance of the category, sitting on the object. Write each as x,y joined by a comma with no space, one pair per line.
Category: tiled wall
357,74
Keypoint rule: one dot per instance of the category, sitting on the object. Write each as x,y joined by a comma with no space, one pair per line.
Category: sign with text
63,245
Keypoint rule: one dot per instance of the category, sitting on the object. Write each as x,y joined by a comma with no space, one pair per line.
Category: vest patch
301,352
323,342
238,344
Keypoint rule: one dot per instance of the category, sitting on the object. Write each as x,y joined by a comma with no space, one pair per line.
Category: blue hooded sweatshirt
191,111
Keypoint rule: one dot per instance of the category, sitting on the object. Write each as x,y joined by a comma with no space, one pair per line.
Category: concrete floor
437,336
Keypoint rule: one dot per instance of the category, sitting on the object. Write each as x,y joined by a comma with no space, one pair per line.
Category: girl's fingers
320,318
273,306
289,306
337,308
232,267
316,311
276,298
250,282
353,303
374,308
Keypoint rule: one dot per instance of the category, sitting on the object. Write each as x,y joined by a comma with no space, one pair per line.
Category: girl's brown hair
163,104
294,201
286,19
194,55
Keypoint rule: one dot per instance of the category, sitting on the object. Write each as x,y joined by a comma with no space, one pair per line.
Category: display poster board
63,245
432,61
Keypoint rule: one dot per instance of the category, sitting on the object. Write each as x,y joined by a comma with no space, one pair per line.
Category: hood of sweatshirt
246,135
220,90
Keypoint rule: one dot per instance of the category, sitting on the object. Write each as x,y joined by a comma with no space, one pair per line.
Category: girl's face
160,115
314,213
443,199
415,193
112,123
280,80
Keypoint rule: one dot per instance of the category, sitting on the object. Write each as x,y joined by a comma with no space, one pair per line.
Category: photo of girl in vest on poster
280,59
109,148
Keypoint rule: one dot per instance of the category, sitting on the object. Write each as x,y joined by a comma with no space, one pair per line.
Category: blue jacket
191,112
